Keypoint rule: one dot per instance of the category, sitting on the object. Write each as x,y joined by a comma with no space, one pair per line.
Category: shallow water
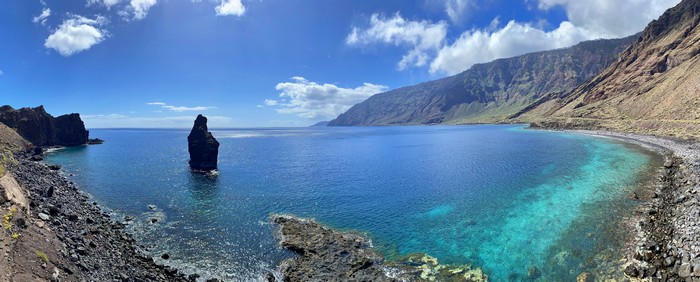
500,197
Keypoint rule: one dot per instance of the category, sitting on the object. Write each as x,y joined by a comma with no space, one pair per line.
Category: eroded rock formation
203,147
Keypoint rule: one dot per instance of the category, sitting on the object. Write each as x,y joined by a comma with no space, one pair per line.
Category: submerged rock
203,147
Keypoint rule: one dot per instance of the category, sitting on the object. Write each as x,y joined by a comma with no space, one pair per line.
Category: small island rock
203,147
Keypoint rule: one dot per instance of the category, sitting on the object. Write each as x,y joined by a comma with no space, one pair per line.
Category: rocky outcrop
42,129
652,88
324,254
487,92
70,130
203,147
61,235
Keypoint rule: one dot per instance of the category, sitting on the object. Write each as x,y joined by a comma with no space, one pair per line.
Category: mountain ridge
488,92
652,88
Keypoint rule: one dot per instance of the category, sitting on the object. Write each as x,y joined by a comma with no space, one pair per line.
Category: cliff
487,92
42,129
652,88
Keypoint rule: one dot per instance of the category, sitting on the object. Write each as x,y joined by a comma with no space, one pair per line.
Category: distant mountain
321,123
652,88
487,92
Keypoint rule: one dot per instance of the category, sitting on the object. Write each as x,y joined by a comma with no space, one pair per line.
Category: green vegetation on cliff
652,88
487,92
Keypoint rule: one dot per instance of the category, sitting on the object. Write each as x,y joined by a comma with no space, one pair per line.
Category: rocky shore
324,254
664,245
666,241
52,232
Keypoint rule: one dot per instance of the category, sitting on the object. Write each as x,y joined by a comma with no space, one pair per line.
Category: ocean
500,197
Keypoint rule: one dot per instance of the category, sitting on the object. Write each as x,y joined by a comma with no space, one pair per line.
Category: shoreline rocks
73,238
324,254
665,244
202,146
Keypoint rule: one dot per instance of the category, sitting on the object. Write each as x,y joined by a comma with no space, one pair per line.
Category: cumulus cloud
179,108
138,9
456,9
106,3
480,46
423,38
76,34
610,18
230,8
312,100
427,42
269,102
45,13
127,121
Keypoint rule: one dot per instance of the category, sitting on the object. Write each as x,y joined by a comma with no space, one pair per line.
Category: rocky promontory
42,129
324,254
51,231
203,147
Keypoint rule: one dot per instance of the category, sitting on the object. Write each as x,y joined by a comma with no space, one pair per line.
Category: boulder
203,147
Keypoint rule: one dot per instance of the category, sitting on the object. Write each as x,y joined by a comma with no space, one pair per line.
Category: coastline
654,250
55,233
665,226
649,252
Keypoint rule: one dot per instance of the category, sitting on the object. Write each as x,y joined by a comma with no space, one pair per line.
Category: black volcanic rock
203,147
70,130
42,129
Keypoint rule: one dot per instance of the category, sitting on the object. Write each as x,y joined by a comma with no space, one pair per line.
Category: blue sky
260,63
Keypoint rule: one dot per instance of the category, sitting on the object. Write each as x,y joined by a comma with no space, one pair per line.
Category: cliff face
651,88
487,92
42,129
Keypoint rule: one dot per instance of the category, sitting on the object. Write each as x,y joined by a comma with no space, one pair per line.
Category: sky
269,63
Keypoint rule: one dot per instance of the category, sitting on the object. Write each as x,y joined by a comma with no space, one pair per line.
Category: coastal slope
52,232
487,92
652,88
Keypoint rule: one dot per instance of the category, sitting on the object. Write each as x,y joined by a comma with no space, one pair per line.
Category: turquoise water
499,197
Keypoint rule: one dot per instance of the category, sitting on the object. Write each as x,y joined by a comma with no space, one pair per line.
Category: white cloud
269,102
179,108
422,37
609,19
480,46
456,9
126,121
230,8
76,34
106,3
45,13
586,20
138,9
312,100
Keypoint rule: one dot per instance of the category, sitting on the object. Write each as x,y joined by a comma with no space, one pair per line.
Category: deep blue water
500,197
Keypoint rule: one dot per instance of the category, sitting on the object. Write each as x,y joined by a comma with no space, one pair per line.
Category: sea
513,201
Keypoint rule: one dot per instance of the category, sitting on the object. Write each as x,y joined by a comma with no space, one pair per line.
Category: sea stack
203,147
